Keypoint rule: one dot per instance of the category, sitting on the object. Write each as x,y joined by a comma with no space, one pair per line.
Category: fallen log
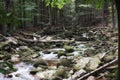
42,41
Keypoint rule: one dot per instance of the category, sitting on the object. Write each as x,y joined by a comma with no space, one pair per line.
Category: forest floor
59,54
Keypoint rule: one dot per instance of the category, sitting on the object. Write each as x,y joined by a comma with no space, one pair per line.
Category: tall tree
118,14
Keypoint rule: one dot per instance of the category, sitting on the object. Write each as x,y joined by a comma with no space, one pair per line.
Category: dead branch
32,35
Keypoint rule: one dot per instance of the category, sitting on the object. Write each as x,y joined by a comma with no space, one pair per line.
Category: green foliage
14,17
98,3
8,17
57,3
29,7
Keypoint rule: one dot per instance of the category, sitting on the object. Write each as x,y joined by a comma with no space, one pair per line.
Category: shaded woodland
59,39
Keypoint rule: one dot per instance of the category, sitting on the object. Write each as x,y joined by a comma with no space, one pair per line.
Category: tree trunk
113,15
22,13
10,9
4,27
105,13
35,16
118,14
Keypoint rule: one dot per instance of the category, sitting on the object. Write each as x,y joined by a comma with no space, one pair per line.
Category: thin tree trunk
10,10
4,29
20,13
35,16
113,15
49,15
105,13
23,13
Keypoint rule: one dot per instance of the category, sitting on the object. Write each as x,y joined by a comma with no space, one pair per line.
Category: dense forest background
41,13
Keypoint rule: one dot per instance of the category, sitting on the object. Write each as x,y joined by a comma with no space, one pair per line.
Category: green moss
61,53
68,49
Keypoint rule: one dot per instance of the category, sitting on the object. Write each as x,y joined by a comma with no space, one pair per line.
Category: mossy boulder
68,49
61,53
89,52
40,62
34,71
61,72
66,62
35,55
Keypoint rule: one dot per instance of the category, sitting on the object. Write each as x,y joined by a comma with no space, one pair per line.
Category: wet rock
1,56
91,78
23,48
109,57
93,63
63,57
114,39
59,44
61,72
7,56
34,71
6,46
47,52
80,64
75,75
48,74
22,72
15,58
52,67
50,56
52,62
108,34
35,55
56,49
9,76
48,38
89,52
76,53
36,48
40,62
66,62
61,53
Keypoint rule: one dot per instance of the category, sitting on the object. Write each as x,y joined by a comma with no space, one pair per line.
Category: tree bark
105,13
118,14
35,16
113,15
